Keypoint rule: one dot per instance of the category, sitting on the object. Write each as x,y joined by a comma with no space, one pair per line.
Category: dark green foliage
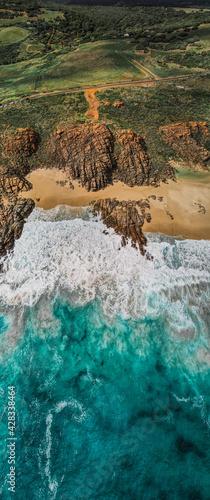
7,15
87,23
9,53
32,7
191,59
171,38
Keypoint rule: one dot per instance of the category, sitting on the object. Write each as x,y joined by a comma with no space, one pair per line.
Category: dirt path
93,102
146,70
53,31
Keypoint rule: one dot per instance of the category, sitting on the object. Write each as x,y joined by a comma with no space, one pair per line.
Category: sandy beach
187,200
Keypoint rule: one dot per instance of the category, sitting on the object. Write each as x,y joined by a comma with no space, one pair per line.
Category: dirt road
140,83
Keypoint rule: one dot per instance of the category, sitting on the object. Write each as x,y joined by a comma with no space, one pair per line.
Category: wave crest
67,249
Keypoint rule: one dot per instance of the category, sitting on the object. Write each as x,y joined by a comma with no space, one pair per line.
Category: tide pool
109,355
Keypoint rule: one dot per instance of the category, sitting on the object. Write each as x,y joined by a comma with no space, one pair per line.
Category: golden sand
181,199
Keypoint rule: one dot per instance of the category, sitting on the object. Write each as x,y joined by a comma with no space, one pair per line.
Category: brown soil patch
93,102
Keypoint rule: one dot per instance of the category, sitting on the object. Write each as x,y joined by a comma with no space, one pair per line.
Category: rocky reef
13,210
190,142
126,218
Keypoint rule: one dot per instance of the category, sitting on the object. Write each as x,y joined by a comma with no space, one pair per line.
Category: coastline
187,200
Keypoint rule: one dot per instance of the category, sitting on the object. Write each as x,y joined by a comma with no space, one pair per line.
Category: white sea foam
79,413
53,485
66,249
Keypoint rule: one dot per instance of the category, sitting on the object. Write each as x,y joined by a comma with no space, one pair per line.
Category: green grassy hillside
89,64
12,35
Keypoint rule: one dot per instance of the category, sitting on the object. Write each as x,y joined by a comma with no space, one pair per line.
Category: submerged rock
126,218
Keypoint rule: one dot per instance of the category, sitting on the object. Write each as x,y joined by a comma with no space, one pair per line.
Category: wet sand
181,199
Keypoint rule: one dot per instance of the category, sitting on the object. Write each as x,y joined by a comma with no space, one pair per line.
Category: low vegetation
145,110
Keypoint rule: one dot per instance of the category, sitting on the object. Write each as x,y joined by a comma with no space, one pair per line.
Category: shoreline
187,200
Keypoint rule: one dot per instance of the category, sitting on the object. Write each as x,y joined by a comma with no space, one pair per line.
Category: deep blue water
110,358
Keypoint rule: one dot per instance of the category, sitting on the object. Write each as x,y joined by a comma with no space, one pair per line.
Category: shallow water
189,173
109,355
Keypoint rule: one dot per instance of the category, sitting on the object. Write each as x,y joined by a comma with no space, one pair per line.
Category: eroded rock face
126,218
96,156
87,153
24,143
134,166
13,212
189,142
13,184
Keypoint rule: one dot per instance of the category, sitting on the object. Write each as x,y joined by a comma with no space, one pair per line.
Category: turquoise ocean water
109,355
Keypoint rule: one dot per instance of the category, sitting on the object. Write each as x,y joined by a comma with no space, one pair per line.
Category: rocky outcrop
86,153
96,156
119,105
13,184
126,218
13,212
189,142
24,143
134,165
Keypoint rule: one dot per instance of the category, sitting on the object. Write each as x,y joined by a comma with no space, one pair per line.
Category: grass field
12,22
152,62
91,63
28,47
48,15
204,35
12,35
